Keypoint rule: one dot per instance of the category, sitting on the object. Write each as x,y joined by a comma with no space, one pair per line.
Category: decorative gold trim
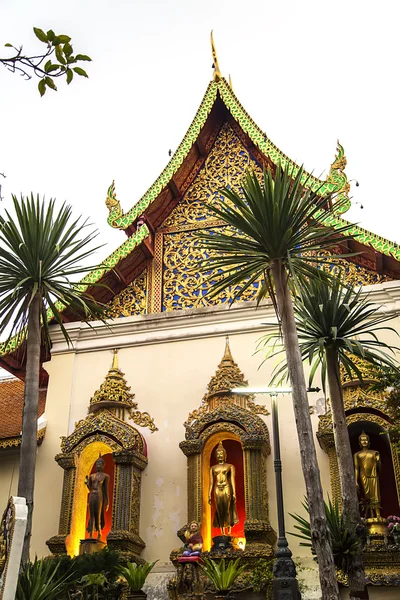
154,304
143,419
16,441
7,526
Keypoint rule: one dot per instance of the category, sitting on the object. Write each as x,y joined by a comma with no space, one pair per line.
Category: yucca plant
337,325
345,544
41,252
40,580
278,236
135,575
222,575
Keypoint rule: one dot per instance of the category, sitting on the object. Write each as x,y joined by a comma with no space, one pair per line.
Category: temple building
151,391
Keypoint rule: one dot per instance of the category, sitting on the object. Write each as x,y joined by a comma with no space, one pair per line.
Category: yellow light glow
210,444
85,464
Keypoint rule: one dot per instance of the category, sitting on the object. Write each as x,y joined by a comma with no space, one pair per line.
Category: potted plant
135,576
222,575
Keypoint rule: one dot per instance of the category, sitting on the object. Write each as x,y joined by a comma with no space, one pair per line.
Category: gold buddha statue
367,463
222,483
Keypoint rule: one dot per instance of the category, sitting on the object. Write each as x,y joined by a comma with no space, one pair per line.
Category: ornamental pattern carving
224,414
132,300
183,285
175,282
103,422
354,274
225,165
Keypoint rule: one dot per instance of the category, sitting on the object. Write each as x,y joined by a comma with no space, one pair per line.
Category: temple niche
377,470
226,445
103,459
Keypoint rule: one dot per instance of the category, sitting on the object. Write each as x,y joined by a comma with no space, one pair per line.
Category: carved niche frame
360,406
129,454
230,421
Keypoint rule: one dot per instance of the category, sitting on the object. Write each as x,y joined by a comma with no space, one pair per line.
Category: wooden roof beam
174,188
201,147
379,262
116,271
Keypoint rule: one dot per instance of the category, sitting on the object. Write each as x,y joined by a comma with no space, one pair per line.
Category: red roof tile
11,404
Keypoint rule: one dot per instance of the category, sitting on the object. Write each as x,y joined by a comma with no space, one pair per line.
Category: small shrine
103,459
377,471
226,445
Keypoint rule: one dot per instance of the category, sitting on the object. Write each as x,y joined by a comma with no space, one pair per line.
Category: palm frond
41,580
332,313
344,544
272,221
43,250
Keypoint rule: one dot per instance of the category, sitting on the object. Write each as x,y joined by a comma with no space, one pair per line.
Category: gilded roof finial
227,358
114,391
338,179
217,72
227,376
230,83
111,200
115,359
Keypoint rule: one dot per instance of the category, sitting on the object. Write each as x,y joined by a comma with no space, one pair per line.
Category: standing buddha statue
367,463
97,484
222,483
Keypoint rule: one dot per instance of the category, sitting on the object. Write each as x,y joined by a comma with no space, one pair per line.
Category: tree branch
58,47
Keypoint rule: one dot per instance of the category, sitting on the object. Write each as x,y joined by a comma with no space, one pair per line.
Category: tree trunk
319,527
26,482
351,510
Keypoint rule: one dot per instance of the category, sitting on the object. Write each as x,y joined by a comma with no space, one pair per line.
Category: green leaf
47,66
49,81
60,56
83,57
42,87
8,45
56,41
52,68
69,76
40,34
80,71
51,35
64,39
67,49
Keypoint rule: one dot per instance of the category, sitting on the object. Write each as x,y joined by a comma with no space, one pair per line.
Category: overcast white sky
308,72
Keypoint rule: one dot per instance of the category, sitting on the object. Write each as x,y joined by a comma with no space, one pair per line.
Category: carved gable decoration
222,409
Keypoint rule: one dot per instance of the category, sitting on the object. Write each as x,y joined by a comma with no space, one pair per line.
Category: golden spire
114,391
217,72
227,359
227,376
115,360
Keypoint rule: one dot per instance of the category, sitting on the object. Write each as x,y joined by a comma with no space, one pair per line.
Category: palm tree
336,325
273,232
41,248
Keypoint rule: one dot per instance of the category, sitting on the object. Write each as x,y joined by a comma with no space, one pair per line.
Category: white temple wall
168,360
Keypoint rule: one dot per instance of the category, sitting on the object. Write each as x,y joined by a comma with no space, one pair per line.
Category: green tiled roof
336,181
